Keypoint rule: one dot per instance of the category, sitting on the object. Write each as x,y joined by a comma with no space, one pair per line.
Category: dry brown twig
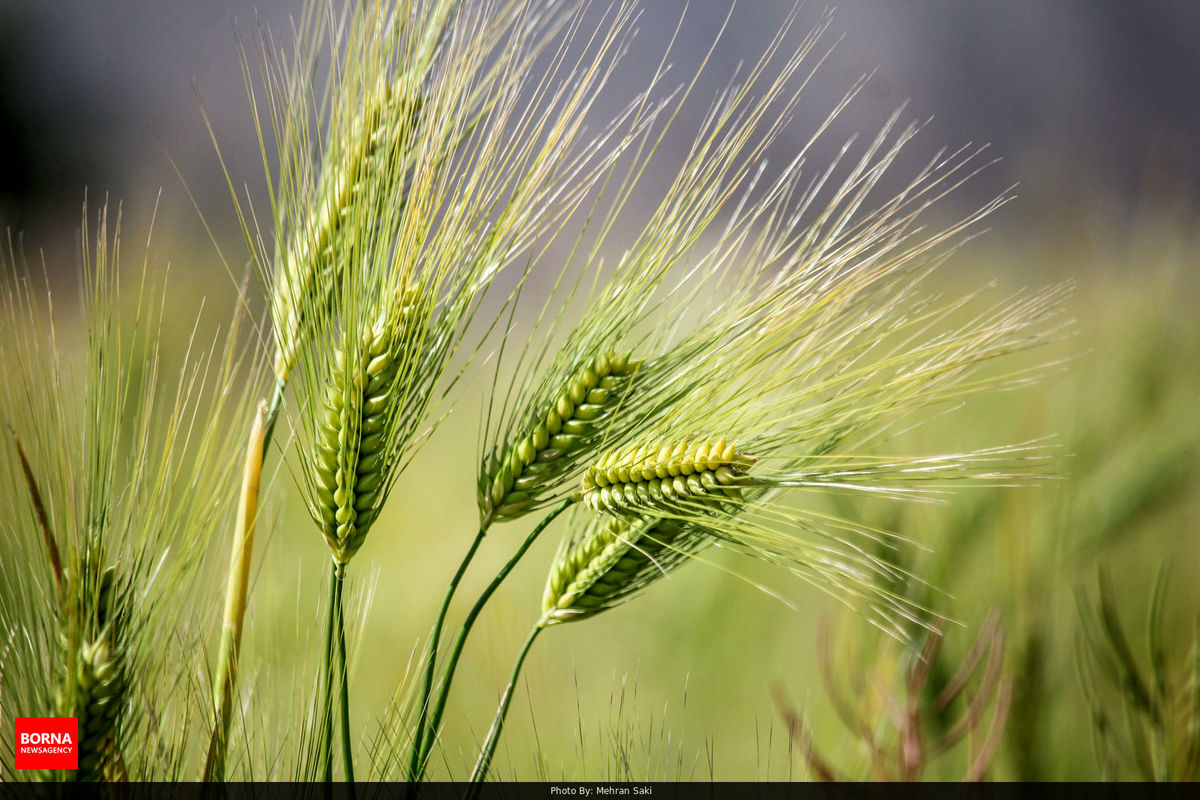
900,730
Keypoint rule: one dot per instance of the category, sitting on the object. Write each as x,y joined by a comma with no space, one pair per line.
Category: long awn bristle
311,260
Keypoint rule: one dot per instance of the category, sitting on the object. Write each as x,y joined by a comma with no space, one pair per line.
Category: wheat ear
544,454
351,461
665,476
351,457
308,272
610,561
96,688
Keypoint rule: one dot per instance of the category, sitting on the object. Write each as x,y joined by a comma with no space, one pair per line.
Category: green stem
493,737
325,738
456,650
431,657
347,754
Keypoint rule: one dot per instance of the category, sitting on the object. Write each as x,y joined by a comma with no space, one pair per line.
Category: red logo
47,743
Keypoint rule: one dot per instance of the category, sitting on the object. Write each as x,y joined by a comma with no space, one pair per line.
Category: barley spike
665,476
515,479
308,273
96,688
350,462
614,559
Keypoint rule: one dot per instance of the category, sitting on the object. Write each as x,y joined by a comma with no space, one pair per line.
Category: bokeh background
1094,111
1092,107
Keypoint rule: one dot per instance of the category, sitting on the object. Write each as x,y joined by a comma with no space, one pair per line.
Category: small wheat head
613,558
665,476
95,689
471,175
122,450
352,455
309,268
547,452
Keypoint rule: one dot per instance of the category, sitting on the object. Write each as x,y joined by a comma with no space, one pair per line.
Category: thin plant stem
493,737
347,755
225,681
431,657
439,707
325,739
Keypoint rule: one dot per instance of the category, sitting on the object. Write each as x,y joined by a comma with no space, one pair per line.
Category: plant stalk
225,682
439,707
431,656
325,737
493,737
347,753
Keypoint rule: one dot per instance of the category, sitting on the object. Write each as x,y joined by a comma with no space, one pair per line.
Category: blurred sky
1093,106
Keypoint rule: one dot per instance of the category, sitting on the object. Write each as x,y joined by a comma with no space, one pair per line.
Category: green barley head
356,417
801,421
609,559
94,651
344,143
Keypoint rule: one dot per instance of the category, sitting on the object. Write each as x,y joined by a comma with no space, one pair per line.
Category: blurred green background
686,681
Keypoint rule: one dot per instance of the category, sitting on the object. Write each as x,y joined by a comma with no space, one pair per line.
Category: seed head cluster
315,253
96,690
665,476
605,565
574,423
351,453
